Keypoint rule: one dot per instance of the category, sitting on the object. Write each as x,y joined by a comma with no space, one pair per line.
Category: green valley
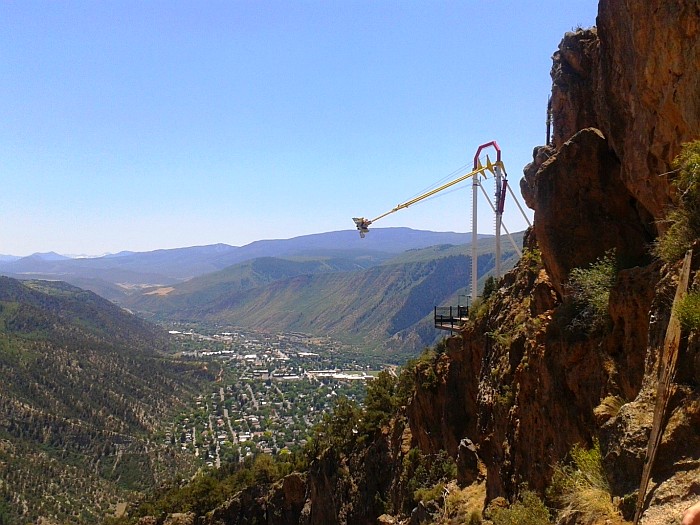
386,306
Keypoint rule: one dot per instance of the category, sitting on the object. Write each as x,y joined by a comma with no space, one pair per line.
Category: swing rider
362,225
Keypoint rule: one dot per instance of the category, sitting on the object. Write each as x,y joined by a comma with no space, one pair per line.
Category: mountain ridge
85,385
385,305
167,266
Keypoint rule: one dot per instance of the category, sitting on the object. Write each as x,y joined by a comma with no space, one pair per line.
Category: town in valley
270,391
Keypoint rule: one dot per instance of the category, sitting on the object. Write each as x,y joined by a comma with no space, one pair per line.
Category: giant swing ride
451,318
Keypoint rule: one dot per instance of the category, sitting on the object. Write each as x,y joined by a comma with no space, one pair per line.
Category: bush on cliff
527,510
337,430
688,311
211,488
381,402
581,487
683,221
424,476
349,425
490,286
590,290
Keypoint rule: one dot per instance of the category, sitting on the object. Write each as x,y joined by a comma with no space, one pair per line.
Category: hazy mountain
378,305
119,254
163,267
47,256
240,285
192,295
379,240
84,386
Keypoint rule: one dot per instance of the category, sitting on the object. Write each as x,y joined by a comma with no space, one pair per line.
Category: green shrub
688,311
424,369
406,385
425,494
590,290
581,486
381,402
501,337
676,240
528,510
478,309
683,221
337,430
422,474
532,257
464,505
505,397
490,286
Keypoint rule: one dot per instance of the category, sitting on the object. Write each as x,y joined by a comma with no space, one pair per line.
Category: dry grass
463,506
582,489
608,408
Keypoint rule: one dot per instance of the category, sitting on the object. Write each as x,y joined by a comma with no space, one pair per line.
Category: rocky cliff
528,379
625,98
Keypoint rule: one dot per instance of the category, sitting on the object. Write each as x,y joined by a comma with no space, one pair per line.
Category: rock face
582,207
648,87
280,504
634,78
343,490
625,97
443,410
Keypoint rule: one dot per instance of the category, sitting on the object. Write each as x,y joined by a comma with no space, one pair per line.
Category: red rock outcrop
582,208
625,97
648,89
444,409
635,78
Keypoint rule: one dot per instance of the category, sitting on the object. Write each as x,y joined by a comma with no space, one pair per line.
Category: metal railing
450,317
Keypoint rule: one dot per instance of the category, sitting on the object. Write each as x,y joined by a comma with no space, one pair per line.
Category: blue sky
139,125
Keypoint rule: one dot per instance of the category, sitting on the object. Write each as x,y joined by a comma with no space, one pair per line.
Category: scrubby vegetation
608,407
581,487
529,509
425,476
590,292
211,488
688,311
350,425
682,223
83,390
490,286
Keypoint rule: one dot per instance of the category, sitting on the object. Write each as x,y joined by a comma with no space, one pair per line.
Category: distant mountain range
376,292
113,275
384,305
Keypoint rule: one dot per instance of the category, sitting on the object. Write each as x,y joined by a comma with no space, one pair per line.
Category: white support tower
499,216
475,237
501,183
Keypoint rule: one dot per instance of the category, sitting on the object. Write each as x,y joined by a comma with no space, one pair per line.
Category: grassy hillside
84,384
195,294
383,306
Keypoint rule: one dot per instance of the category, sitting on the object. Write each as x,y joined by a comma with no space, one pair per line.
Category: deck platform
451,317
